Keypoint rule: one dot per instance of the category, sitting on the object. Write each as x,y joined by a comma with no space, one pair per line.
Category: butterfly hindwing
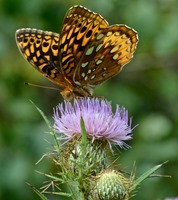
105,56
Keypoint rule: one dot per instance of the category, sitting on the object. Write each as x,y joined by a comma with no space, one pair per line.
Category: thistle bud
111,185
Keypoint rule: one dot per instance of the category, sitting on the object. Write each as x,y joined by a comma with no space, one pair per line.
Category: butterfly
86,53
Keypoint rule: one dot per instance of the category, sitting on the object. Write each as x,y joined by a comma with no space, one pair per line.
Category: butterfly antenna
41,86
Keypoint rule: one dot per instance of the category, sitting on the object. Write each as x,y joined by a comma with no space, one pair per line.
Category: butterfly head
70,93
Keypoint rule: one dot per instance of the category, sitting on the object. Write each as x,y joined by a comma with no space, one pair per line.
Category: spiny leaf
38,193
145,175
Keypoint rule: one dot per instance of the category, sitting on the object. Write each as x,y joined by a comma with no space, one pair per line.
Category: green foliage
147,87
144,176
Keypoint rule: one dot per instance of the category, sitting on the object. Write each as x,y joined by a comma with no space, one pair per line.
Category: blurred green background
147,87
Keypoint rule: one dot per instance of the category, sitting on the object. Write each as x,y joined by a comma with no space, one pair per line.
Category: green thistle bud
112,185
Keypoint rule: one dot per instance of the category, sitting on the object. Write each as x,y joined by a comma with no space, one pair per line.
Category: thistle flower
100,122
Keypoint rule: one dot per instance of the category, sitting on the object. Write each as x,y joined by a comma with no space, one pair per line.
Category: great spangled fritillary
87,52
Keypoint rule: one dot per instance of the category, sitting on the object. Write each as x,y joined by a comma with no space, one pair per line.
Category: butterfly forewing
79,29
41,49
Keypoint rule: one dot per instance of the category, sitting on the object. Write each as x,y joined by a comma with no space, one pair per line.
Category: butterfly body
87,52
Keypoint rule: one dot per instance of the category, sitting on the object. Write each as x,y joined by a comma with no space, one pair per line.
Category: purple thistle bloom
100,121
